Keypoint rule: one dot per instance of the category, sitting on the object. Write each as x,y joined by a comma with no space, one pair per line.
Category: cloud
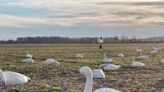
15,21
18,21
93,12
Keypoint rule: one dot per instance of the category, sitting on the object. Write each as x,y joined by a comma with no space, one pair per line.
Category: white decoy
103,65
107,59
153,52
111,67
79,55
51,61
9,77
136,63
27,60
139,51
162,61
120,54
87,72
142,57
28,55
100,40
155,48
98,73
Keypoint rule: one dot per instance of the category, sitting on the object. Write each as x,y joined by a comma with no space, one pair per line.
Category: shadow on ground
159,86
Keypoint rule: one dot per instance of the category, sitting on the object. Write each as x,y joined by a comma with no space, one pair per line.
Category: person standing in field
100,41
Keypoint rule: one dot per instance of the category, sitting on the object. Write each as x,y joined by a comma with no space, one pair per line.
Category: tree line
65,40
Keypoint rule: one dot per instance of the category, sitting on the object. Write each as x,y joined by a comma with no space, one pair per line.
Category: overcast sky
81,18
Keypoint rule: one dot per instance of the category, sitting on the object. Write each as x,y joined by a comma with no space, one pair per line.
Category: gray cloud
95,13
159,3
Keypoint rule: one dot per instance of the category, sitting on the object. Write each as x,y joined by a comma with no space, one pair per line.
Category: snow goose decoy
87,72
51,61
142,57
139,51
120,54
155,48
153,52
162,61
28,55
136,63
100,41
79,55
28,58
9,77
111,67
98,73
107,58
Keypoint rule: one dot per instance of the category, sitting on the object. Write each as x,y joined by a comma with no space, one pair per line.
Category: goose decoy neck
85,70
2,78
